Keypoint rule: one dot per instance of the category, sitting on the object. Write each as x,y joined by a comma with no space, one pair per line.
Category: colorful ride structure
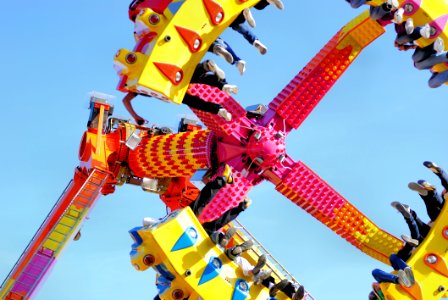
171,39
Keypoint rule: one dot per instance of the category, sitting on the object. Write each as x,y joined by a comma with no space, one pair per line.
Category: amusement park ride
169,44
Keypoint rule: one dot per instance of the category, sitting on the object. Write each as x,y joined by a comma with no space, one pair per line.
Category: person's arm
127,103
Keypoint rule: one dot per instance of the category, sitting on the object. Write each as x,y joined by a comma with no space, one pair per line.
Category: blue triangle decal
187,239
212,270
241,290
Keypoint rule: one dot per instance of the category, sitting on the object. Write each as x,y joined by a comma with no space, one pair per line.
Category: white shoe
409,240
398,16
394,3
241,66
425,31
148,221
213,67
409,26
221,51
277,3
260,47
225,114
249,18
229,88
439,45
403,279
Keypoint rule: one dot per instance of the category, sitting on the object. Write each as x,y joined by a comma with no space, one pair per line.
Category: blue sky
367,138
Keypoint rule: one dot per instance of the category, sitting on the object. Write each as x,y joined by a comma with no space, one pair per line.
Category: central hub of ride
266,147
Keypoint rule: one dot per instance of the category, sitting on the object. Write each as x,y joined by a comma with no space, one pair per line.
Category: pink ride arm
306,189
228,197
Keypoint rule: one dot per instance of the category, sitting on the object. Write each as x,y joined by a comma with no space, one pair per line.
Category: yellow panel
193,16
428,279
159,241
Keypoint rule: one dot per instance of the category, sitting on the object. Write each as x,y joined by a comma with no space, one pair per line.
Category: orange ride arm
57,230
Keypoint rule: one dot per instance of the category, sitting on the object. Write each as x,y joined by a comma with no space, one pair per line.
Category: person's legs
261,5
230,50
397,263
421,54
413,227
225,218
438,79
431,61
378,12
199,104
206,195
356,3
382,276
245,31
405,252
423,228
433,203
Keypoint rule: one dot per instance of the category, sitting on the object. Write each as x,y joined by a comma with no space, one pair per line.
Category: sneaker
227,174
394,4
410,275
237,250
227,237
77,236
418,188
300,293
398,16
247,202
404,209
432,166
409,240
241,66
262,275
221,51
148,221
425,184
230,88
277,3
403,279
409,26
439,45
249,18
213,67
425,31
278,286
260,47
222,112
260,264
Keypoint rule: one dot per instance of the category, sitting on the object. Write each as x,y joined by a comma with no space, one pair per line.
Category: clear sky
367,138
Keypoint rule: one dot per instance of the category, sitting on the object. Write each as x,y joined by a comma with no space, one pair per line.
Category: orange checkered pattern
172,155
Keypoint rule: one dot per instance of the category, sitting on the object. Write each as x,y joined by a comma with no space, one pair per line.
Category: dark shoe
404,209
300,293
260,264
432,166
278,286
237,250
77,236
